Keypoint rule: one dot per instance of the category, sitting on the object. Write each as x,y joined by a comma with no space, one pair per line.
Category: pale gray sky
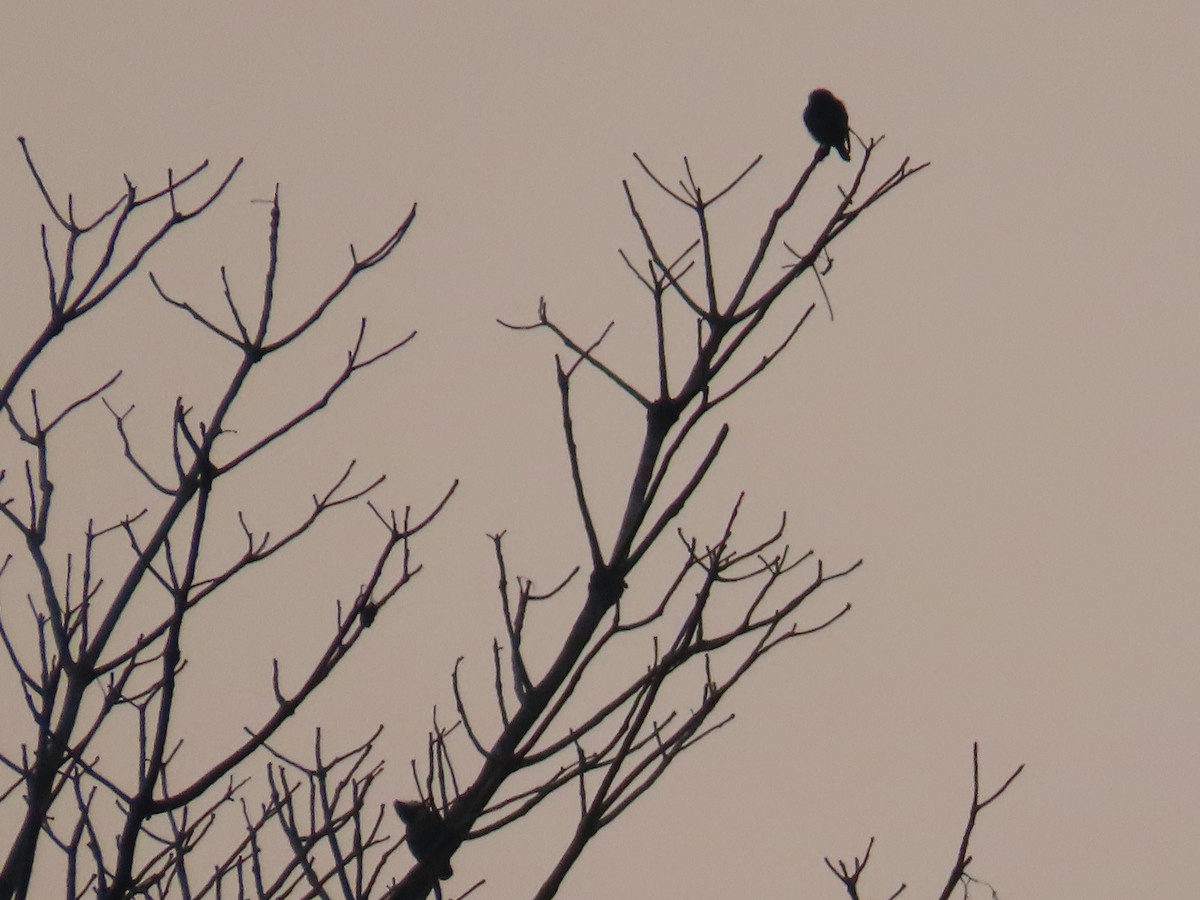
1001,420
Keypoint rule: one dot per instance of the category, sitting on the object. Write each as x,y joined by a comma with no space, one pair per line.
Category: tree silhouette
99,652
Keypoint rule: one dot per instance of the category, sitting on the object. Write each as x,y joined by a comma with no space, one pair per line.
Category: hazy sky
1001,420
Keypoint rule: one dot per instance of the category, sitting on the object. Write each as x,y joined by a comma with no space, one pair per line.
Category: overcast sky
1001,420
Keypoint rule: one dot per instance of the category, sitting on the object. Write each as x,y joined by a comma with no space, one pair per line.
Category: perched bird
828,123
426,832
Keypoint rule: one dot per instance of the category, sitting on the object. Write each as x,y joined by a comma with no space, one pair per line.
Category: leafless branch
849,875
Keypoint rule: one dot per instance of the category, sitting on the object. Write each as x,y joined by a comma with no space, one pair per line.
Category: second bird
828,122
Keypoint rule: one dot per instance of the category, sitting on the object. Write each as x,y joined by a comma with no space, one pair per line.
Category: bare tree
90,678
640,676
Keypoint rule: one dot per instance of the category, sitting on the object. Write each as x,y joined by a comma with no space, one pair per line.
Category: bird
427,833
828,123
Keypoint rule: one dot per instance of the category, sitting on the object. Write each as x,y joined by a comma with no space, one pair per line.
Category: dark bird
828,123
427,834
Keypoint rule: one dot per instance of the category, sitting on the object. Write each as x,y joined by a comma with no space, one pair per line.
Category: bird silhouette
427,836
828,123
